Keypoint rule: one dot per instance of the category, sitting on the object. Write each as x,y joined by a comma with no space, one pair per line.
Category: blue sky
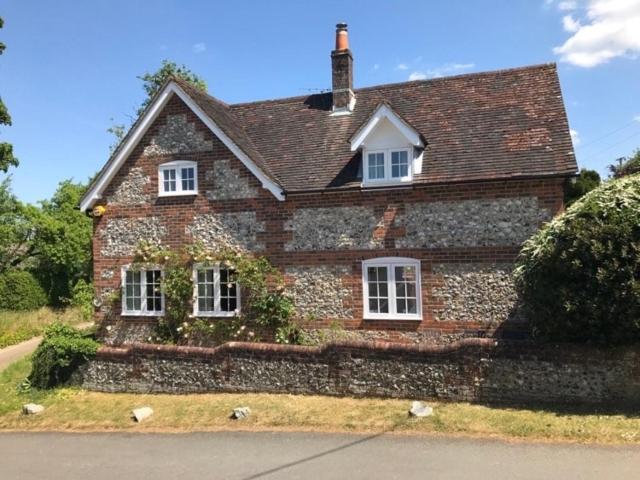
71,66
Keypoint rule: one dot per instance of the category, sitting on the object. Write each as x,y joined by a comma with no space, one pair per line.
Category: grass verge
69,409
16,327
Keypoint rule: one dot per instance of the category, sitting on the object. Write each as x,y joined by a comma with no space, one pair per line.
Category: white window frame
388,179
143,312
390,263
216,293
177,165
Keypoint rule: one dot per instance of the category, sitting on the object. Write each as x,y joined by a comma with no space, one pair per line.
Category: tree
61,243
152,82
7,158
586,181
626,166
16,229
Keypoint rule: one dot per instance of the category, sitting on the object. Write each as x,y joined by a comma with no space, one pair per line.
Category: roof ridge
499,71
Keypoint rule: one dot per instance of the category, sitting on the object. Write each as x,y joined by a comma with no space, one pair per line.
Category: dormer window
390,165
178,178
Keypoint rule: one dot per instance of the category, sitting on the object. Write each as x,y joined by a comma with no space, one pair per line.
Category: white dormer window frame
387,162
178,178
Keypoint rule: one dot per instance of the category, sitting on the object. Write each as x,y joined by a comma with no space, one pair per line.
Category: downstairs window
216,292
141,292
391,288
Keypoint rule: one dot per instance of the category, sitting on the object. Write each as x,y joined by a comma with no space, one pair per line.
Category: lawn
69,409
16,327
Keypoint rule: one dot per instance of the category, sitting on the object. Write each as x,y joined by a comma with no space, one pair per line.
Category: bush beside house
578,277
20,290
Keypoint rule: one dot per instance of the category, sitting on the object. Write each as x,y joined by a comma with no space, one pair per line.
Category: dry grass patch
16,327
79,410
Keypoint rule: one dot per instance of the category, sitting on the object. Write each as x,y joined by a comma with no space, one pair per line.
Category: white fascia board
172,88
381,113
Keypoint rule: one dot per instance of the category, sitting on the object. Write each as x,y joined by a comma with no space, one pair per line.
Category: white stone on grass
32,409
139,414
419,409
240,413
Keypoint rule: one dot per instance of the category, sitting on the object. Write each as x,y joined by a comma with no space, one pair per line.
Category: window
141,292
216,292
178,178
391,288
388,166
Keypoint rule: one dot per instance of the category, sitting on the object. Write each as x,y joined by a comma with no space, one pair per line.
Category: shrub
82,297
19,290
578,277
61,351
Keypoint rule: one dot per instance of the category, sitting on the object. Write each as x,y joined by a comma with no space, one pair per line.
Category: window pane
412,306
376,166
188,181
373,289
224,304
402,305
382,273
400,289
373,305
372,273
384,306
383,290
399,164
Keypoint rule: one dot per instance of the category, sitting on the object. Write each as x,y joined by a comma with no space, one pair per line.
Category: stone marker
32,409
139,414
240,413
419,409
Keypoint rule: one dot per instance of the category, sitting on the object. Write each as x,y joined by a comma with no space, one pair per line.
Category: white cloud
570,24
637,118
568,5
610,29
199,47
442,70
402,66
417,76
575,136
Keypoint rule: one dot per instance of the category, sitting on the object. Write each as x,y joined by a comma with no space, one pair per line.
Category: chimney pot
342,37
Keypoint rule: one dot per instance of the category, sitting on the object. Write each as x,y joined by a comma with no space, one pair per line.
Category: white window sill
141,314
385,183
215,314
385,316
177,194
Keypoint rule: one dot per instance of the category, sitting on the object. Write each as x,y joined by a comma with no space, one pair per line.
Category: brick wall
473,228
470,370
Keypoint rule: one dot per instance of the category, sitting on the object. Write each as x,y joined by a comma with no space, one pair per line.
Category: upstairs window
391,288
141,292
216,292
387,166
178,178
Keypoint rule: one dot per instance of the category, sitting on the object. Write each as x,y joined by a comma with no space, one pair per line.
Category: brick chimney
342,72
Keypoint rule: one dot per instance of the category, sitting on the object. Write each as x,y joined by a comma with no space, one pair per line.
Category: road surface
248,456
8,355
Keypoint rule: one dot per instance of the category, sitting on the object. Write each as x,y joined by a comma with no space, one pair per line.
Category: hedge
19,290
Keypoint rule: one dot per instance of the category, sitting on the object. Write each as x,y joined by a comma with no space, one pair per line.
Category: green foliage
82,297
581,185
61,242
579,277
61,351
118,130
152,82
626,166
15,229
266,307
7,158
19,290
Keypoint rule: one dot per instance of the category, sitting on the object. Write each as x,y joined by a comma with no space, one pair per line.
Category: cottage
395,211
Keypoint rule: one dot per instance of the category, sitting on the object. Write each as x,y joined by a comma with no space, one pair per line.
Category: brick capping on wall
475,369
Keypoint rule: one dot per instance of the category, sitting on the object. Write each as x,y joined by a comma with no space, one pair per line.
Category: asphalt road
238,455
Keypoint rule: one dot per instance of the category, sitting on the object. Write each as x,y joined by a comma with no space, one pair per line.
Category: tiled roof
494,125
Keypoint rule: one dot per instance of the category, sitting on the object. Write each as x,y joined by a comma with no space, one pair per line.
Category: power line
611,146
609,134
